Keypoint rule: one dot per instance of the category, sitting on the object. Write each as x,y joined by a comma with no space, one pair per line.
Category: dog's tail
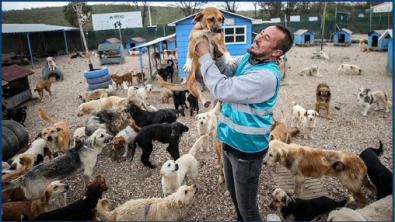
347,201
172,86
338,166
197,144
217,108
378,151
44,117
388,101
102,208
293,132
172,63
13,184
283,117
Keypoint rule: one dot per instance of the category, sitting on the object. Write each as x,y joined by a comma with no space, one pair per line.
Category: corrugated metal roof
301,31
171,39
14,72
106,47
386,33
219,10
138,39
24,28
380,32
112,40
155,41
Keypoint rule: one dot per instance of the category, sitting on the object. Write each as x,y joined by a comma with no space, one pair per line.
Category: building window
235,35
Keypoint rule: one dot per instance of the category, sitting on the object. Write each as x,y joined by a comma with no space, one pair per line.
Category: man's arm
226,69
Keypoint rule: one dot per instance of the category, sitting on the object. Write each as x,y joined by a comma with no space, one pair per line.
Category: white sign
313,18
295,18
118,20
275,20
229,21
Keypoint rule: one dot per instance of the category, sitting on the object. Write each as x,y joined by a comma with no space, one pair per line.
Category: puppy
41,86
37,150
172,208
207,123
323,98
127,77
324,56
82,210
142,93
171,53
279,131
179,99
140,76
80,159
306,118
348,168
17,114
79,135
295,209
380,176
155,56
57,136
183,80
125,137
165,94
173,172
52,198
297,115
312,71
51,63
96,94
193,103
366,98
168,71
362,46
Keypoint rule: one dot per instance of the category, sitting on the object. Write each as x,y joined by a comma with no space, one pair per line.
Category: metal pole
65,42
323,27
30,49
370,27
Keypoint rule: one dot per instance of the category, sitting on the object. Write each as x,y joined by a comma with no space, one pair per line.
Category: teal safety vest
246,127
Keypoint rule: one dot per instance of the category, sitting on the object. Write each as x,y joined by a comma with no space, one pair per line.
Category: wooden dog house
17,89
304,37
374,41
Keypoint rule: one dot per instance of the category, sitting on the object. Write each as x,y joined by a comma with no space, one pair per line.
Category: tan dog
362,46
51,63
305,161
140,76
41,86
171,53
172,208
279,61
52,198
165,94
279,131
155,56
97,94
355,70
57,136
323,98
209,24
127,77
312,71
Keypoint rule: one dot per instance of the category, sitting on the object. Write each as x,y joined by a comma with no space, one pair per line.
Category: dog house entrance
164,44
132,45
306,39
374,41
342,38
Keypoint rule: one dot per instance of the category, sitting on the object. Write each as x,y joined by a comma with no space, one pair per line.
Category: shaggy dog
41,86
295,209
350,69
144,118
37,150
17,114
305,118
164,133
323,98
380,176
155,56
324,56
127,77
305,161
109,119
362,46
171,53
97,94
207,123
168,71
165,94
52,198
82,210
312,71
51,63
79,135
80,159
378,211
173,172
57,136
179,99
142,93
279,131
125,137
193,103
172,208
366,98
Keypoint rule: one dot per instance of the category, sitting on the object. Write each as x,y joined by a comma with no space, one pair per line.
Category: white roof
155,41
219,10
25,28
386,33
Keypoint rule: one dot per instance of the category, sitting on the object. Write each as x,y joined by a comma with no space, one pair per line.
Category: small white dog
311,71
134,53
173,172
366,98
324,56
125,137
51,63
142,93
349,69
79,135
306,118
207,123
37,150
297,115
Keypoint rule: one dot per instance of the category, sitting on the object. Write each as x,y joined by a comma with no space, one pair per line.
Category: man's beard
257,55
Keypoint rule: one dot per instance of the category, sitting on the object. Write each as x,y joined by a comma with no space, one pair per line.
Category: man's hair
287,42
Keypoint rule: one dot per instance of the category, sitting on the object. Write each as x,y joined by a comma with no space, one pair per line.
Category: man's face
265,43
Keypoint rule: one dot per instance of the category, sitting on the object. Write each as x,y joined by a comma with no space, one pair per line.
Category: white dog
79,135
207,123
306,118
173,172
324,56
366,98
142,93
311,71
51,63
134,53
349,69
125,137
37,150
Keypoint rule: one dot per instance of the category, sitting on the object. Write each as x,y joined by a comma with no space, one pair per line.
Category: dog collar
293,200
147,208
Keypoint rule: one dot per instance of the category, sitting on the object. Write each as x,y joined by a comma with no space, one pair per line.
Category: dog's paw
207,150
188,66
375,109
124,155
328,118
220,180
364,114
228,59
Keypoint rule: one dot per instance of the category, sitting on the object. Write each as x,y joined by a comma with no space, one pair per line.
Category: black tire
11,140
57,73
18,130
99,80
98,72
5,150
103,85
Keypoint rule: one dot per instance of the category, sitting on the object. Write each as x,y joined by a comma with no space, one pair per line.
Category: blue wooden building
170,44
374,41
109,57
342,37
304,37
388,35
111,41
237,30
136,41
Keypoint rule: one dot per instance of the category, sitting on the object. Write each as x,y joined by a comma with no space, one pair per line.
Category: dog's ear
179,203
329,93
185,128
59,129
198,17
271,137
39,135
305,114
223,18
367,90
196,117
44,198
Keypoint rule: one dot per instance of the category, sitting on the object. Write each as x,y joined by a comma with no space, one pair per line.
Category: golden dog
41,86
165,94
127,77
305,161
362,46
209,23
97,94
279,131
323,98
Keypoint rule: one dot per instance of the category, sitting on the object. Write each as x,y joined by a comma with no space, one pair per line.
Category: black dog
380,176
144,118
108,119
164,133
74,57
179,99
17,114
168,71
193,103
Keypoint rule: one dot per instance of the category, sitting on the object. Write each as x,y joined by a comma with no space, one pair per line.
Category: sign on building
313,18
275,20
117,20
295,18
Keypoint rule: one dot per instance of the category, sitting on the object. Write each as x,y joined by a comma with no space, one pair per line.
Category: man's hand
202,48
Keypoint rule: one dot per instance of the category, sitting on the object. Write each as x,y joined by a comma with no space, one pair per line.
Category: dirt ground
348,129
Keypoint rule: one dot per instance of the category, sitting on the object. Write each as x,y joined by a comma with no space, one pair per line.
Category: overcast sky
17,5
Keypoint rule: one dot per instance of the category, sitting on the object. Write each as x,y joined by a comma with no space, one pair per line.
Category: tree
143,9
188,8
274,8
69,13
230,6
255,4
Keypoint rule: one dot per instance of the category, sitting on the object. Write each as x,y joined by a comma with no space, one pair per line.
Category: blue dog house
304,37
136,41
375,43
388,36
170,44
111,41
237,30
342,37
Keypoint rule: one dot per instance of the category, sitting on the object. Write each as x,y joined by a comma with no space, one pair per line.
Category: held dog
127,77
172,208
312,71
80,159
164,133
348,168
323,98
173,172
17,114
97,94
41,86
367,98
362,46
125,137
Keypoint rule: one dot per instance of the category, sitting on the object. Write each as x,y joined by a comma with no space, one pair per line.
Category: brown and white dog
51,63
209,23
350,69
155,56
140,76
171,53
279,130
306,118
323,98
41,86
125,137
305,161
97,94
366,98
127,77
362,46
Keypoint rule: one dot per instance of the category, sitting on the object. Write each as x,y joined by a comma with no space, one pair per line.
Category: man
248,91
